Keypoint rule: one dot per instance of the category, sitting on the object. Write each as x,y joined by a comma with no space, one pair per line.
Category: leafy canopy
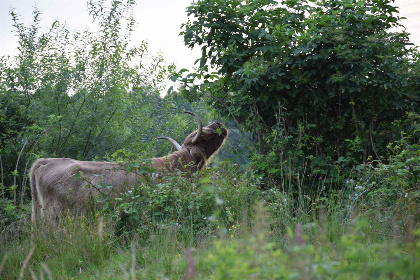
320,79
84,95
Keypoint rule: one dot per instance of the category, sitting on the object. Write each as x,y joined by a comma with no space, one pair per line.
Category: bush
317,86
196,205
398,178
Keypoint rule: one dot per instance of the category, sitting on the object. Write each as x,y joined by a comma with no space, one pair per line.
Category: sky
158,22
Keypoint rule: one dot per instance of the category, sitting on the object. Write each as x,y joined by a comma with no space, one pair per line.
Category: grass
244,233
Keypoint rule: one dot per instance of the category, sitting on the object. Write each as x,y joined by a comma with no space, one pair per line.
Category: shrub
197,204
397,178
309,255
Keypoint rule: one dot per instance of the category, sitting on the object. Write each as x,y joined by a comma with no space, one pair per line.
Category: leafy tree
83,95
318,83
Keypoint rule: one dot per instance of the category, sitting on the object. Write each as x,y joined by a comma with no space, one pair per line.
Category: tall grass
220,225
68,248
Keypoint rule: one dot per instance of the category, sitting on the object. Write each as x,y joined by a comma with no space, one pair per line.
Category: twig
234,118
106,124
25,263
14,177
133,261
353,111
92,185
372,121
47,270
34,276
71,128
3,262
2,178
373,145
27,163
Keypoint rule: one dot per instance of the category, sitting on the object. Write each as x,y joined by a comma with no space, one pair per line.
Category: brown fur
56,187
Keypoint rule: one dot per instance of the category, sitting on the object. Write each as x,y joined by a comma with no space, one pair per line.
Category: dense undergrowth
219,224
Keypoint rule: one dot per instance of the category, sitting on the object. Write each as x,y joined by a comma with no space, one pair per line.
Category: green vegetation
84,96
237,232
318,83
323,98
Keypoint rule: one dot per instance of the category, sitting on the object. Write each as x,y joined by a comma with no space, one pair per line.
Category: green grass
236,230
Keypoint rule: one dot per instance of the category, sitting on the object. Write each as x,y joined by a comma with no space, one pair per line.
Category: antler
200,126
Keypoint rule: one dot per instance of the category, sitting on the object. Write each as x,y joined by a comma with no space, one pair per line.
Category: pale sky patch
158,22
410,9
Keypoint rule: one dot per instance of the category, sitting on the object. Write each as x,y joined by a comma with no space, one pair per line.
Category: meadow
221,225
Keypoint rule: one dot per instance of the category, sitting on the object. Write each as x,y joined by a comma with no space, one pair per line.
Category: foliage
190,205
252,256
236,234
399,178
84,95
317,83
331,192
77,245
